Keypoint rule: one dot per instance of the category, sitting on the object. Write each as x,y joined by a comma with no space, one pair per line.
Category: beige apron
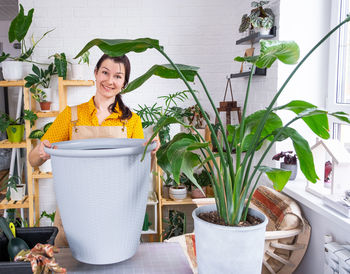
86,132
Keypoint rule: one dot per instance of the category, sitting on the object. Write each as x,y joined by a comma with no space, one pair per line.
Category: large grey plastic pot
227,249
101,190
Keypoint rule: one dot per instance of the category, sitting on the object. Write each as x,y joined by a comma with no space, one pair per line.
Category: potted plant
15,127
234,179
176,224
37,134
13,69
39,84
260,19
289,162
81,70
15,189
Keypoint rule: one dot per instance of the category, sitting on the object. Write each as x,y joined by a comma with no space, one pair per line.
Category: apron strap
74,115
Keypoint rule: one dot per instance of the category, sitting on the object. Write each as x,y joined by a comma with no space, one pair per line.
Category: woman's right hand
43,155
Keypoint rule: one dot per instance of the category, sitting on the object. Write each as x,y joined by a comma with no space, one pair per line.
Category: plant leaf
164,71
20,25
286,51
61,64
279,177
316,120
4,56
47,126
342,116
36,134
119,47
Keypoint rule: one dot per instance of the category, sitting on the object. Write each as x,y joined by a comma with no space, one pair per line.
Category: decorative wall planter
245,245
292,168
19,194
12,70
15,133
102,195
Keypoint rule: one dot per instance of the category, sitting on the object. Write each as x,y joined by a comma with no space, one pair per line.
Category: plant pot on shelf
45,106
263,31
177,192
244,244
15,133
197,193
292,168
19,194
165,191
12,70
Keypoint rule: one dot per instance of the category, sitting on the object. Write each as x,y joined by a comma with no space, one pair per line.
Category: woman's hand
42,154
157,141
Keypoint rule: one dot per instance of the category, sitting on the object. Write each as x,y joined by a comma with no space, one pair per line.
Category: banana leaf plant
234,179
17,32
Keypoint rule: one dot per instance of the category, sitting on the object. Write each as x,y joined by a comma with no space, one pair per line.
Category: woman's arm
37,155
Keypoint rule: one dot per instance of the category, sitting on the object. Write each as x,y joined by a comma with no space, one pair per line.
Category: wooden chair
287,234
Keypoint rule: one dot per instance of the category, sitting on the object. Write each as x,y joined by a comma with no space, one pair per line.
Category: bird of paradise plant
234,179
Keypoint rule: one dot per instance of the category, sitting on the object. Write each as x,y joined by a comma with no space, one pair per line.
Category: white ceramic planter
263,31
80,72
292,168
12,70
226,249
178,193
19,194
101,191
46,167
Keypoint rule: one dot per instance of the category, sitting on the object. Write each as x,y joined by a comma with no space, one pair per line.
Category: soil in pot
214,218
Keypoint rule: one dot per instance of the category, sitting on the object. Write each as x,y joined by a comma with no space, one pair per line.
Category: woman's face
110,78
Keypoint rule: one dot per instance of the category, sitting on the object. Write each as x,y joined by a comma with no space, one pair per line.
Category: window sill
296,190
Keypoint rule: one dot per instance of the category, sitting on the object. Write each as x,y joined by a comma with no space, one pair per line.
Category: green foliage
235,179
6,120
40,77
60,61
38,133
11,182
84,59
176,224
44,214
38,94
258,17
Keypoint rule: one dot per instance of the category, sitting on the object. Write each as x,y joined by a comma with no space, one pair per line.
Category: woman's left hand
157,140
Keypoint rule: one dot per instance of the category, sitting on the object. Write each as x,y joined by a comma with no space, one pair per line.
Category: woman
103,116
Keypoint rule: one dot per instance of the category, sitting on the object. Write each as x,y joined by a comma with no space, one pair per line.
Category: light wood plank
78,82
41,175
47,114
6,144
19,83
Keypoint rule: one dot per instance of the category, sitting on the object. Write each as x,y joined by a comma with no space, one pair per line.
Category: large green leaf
165,71
36,134
279,177
286,51
61,64
316,120
342,116
119,47
20,25
303,151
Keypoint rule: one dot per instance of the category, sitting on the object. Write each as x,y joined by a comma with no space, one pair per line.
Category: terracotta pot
197,193
45,106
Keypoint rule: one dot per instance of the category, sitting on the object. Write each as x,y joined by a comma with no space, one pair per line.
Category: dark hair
126,112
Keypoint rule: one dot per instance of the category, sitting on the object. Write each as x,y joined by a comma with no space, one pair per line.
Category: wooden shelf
78,82
41,175
6,144
256,37
187,201
4,204
47,114
19,83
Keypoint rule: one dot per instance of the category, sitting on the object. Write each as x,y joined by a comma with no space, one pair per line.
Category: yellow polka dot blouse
61,129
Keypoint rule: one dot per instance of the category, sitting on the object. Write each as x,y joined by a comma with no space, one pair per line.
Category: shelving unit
152,208
28,201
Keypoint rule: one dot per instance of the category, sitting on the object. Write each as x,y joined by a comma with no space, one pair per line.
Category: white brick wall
197,32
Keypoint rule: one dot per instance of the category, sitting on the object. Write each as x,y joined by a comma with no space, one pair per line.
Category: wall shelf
6,144
256,37
258,72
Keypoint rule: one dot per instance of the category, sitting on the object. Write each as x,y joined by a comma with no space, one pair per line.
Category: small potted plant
81,70
13,66
15,189
15,127
177,192
39,84
260,19
176,224
289,162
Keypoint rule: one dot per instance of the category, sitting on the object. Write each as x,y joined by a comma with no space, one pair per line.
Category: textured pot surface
292,168
226,249
12,70
102,195
179,193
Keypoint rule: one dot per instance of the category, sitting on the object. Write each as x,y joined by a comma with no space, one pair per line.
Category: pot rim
100,147
212,207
